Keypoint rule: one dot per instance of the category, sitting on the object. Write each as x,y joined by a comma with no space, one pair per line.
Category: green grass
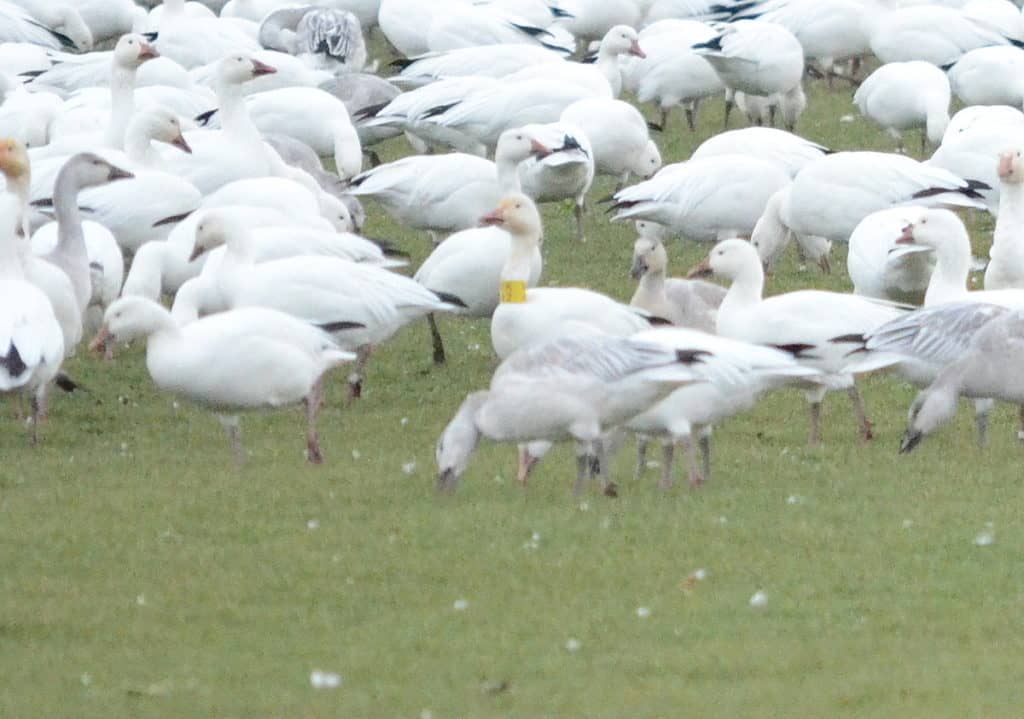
144,576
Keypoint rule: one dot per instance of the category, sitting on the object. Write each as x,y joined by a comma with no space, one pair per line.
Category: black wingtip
450,298
691,356
341,325
849,339
204,118
797,349
151,36
656,321
65,383
365,113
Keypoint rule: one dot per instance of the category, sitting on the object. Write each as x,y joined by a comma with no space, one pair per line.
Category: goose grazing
618,135
54,25
447,193
881,267
698,199
246,359
747,371
31,339
754,57
1006,264
526,316
684,303
568,388
71,255
360,305
811,325
830,196
672,74
986,370
906,95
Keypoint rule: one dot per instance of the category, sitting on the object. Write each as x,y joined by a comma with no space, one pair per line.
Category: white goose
568,388
50,24
789,151
526,316
359,304
564,173
591,19
31,340
618,135
467,25
882,268
989,76
698,199
193,41
815,327
1006,264
241,360
494,61
905,95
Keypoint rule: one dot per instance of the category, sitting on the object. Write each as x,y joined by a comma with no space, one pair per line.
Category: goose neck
1011,204
746,290
508,174
69,218
138,145
518,265
949,278
122,104
234,114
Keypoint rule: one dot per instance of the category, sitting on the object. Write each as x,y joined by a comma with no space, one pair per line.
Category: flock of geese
186,161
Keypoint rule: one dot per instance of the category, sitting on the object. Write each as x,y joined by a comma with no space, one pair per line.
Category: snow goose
754,57
360,305
322,37
935,34
882,268
108,19
41,22
494,61
27,116
246,359
944,233
618,135
71,255
145,207
467,25
1006,265
972,145
405,23
566,172
789,151
568,388
986,370
810,324
289,71
989,76
603,76
446,193
905,95
360,92
592,19
193,41
525,316
672,74
704,200
690,411
684,303
312,116
31,337
830,196
771,245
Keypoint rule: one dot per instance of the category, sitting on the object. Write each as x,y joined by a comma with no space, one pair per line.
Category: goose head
621,40
729,259
132,50
457,443
214,229
130,318
651,230
933,228
89,170
649,256
335,211
930,410
237,69
646,163
517,214
1010,168
160,124
518,144
14,162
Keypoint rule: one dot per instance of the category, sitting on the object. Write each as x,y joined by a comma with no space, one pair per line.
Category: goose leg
664,118
668,449
608,487
691,117
582,469
641,457
982,407
729,102
577,212
231,426
313,402
355,380
435,336
815,439
38,412
705,450
526,464
696,479
1020,432
862,417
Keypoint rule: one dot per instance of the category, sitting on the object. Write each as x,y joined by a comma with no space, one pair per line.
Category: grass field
143,575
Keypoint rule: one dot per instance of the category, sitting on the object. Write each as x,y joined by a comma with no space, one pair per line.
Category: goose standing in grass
1006,264
810,324
31,339
687,415
569,388
360,305
880,267
906,95
526,316
987,370
684,303
245,359
618,135
704,200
